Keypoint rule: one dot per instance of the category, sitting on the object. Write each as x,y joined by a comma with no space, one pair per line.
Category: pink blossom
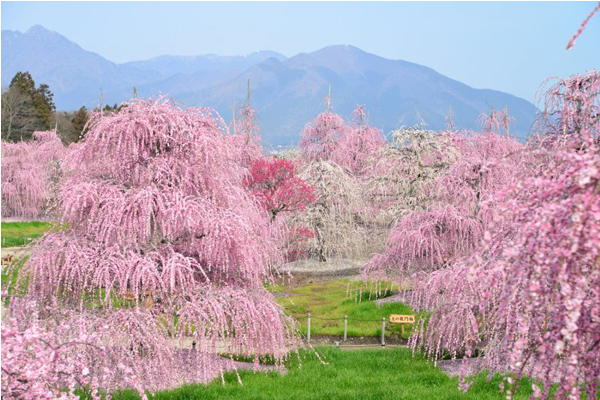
159,224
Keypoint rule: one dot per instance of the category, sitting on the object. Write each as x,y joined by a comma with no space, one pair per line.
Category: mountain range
286,92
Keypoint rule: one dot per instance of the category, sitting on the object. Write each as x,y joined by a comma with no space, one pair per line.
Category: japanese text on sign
402,319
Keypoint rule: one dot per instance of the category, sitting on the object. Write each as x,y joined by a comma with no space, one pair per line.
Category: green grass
9,277
20,233
330,300
360,374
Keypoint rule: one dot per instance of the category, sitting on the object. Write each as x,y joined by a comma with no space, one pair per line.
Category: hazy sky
509,46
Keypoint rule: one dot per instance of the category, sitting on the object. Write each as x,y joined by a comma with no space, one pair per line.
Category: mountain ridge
396,92
286,92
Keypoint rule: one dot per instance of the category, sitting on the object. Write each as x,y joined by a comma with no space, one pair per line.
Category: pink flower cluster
350,145
55,359
29,172
582,26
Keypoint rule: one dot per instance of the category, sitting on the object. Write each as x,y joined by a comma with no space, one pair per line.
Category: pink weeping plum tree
163,245
528,298
246,138
496,121
30,171
350,145
451,224
488,163
319,139
360,143
571,106
336,157
56,358
552,276
423,241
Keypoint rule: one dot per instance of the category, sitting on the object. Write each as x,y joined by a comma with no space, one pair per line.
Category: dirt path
19,251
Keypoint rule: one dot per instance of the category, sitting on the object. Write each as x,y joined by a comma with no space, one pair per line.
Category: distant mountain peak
40,32
271,61
37,29
342,47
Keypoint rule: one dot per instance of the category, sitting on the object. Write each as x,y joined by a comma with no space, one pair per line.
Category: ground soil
303,272
19,251
366,341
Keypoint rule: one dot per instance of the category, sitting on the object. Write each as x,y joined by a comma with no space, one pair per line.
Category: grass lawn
19,233
330,300
358,374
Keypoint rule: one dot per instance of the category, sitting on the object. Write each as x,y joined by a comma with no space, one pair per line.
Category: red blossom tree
275,182
162,242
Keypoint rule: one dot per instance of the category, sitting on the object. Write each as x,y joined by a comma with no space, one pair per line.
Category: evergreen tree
79,120
39,100
44,105
24,83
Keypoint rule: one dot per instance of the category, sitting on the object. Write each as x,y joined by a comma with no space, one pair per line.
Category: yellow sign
7,260
402,319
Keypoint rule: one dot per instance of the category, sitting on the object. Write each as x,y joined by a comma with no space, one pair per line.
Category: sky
508,46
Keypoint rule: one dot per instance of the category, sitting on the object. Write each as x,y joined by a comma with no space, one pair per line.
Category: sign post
345,328
309,327
402,319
